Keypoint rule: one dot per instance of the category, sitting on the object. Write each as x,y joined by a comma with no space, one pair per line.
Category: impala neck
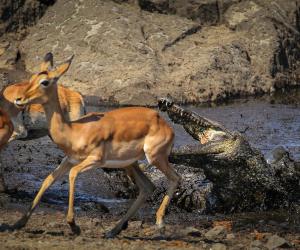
58,127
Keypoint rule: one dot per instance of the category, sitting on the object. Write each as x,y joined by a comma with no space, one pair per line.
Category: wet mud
48,229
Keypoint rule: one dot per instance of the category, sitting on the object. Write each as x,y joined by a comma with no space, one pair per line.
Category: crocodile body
241,176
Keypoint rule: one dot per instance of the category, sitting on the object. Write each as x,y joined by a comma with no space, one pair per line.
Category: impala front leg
56,174
72,177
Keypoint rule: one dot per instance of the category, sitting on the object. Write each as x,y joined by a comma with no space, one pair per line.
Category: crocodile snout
165,103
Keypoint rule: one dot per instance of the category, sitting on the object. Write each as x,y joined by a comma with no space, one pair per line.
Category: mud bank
47,229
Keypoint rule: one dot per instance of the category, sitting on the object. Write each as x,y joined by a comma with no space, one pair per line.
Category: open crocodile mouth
205,130
211,135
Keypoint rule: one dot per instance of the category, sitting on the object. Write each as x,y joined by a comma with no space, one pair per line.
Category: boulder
276,241
217,233
218,246
203,11
163,53
17,15
125,55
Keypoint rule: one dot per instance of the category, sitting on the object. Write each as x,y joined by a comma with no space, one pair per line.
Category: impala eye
45,82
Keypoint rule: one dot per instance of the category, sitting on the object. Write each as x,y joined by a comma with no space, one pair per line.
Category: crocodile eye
44,83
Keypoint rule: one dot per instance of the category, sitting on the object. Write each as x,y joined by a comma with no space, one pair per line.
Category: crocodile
242,178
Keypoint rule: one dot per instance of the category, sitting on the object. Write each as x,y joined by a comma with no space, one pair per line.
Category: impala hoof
111,234
74,228
19,224
161,228
115,231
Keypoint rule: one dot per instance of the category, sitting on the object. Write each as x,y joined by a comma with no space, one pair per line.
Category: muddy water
264,124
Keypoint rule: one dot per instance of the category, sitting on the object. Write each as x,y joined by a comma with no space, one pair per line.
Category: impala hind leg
163,165
146,188
64,167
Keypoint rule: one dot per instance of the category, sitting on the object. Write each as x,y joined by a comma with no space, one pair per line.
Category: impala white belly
108,163
117,155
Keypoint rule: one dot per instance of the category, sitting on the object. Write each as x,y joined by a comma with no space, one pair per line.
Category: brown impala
6,130
115,139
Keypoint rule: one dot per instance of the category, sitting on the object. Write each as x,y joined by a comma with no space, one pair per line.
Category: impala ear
61,69
48,62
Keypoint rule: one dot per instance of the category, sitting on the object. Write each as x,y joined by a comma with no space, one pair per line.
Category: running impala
114,139
6,130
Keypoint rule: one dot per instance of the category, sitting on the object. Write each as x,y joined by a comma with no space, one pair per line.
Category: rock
230,236
256,244
80,239
53,224
238,247
18,14
192,231
15,17
276,241
238,15
89,223
135,224
205,12
8,55
218,246
128,56
215,234
4,45
88,232
97,222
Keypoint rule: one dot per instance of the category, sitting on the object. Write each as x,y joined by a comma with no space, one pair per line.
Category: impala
32,118
115,139
6,130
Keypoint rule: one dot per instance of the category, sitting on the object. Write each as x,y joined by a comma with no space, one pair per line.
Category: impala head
41,85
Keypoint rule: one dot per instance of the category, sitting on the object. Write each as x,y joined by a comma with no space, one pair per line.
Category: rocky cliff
134,51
